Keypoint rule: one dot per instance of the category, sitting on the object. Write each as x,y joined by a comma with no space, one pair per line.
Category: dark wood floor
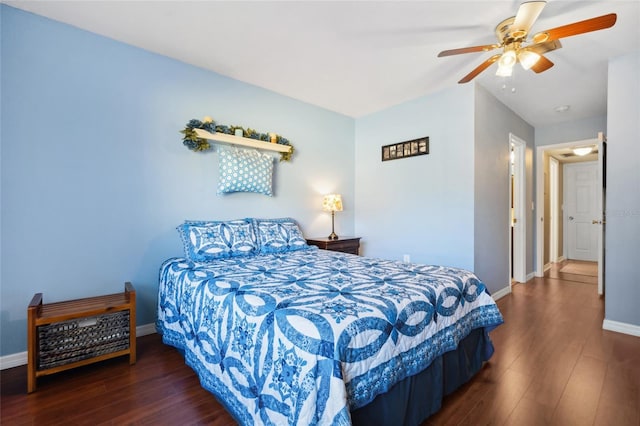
553,365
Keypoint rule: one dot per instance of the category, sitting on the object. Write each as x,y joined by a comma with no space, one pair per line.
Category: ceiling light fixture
562,108
513,37
510,57
505,63
582,151
504,71
527,58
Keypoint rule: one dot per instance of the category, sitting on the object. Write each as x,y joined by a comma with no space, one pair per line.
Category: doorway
563,152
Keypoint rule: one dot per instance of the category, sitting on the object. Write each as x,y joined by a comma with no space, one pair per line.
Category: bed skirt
415,398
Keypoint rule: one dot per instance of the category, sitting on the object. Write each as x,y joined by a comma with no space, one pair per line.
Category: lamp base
333,235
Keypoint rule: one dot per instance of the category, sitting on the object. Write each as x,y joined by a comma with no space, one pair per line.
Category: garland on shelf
194,143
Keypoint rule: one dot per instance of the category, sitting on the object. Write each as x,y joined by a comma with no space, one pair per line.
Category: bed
285,333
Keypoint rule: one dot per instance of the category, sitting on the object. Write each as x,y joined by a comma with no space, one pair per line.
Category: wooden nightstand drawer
344,244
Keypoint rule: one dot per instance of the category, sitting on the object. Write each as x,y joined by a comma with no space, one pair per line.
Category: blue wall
95,177
622,239
493,124
421,206
450,207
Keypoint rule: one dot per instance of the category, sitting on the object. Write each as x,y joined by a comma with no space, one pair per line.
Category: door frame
519,272
602,202
554,166
539,169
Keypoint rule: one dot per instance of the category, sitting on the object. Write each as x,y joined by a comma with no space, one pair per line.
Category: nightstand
343,244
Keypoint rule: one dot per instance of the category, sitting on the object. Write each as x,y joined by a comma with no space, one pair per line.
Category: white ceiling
358,57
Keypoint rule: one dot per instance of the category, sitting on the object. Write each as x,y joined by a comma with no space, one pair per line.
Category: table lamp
332,203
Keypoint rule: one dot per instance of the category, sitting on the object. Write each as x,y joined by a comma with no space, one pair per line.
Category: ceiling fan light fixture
508,59
504,71
527,58
513,32
505,63
582,150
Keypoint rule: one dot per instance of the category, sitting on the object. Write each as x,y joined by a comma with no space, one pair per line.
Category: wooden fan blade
588,25
542,48
526,16
542,65
483,66
485,48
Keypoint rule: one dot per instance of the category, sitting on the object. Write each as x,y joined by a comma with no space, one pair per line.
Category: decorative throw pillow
206,241
244,170
279,235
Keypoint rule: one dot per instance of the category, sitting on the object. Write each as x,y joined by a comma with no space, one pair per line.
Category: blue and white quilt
304,337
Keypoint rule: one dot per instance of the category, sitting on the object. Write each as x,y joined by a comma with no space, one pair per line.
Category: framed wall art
406,149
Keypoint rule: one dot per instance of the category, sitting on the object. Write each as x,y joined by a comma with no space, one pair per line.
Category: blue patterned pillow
244,170
206,241
279,235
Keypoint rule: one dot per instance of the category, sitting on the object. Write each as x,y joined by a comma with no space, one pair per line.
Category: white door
580,209
519,214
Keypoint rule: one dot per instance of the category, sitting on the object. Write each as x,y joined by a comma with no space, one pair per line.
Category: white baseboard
145,329
531,276
621,327
560,259
547,267
13,360
20,358
501,293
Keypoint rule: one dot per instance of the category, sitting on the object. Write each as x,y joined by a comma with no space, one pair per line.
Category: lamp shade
504,71
332,203
528,59
506,63
508,59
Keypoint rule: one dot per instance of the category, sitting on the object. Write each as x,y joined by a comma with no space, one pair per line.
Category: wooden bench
73,333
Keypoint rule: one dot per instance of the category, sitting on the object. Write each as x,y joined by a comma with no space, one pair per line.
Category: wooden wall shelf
242,141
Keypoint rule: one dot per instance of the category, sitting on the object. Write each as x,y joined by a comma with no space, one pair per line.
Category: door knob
570,217
596,222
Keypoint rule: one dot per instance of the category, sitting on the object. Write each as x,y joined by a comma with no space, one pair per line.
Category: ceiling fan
512,34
